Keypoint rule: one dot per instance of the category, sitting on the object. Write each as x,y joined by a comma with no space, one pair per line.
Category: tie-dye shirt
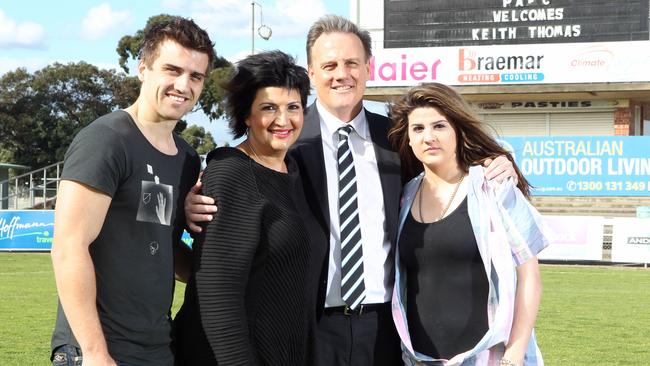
508,233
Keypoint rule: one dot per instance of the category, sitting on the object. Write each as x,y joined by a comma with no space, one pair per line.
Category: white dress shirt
372,216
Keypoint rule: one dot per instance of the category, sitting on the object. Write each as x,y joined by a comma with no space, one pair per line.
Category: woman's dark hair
266,69
474,145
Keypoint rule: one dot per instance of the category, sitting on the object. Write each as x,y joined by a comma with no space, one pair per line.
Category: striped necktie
352,285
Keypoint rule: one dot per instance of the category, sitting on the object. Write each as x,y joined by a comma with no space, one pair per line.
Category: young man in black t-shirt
119,214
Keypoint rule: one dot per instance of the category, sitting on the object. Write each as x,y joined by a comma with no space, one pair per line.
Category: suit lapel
309,153
388,165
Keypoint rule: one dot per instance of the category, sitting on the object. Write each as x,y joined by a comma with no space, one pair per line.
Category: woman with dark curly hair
251,299
467,285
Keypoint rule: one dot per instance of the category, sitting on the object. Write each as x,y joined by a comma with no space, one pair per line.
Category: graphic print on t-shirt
156,201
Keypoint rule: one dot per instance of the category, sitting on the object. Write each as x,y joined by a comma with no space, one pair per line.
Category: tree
211,100
129,46
199,139
40,113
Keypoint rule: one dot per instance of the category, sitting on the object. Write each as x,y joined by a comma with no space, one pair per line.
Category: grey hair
337,24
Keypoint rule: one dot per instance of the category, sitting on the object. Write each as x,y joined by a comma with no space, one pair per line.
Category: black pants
368,339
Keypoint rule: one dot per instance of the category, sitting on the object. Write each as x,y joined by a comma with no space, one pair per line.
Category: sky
34,34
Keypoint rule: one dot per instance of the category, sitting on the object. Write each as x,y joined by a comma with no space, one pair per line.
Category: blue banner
32,230
583,165
187,239
26,230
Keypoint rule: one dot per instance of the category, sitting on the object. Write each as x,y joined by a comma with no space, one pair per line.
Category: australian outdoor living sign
485,22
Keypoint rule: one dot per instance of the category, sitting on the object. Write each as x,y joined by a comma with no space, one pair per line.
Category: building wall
613,76
623,121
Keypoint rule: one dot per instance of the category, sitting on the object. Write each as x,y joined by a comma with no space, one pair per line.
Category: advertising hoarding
583,165
32,230
512,64
573,238
631,240
22,230
498,22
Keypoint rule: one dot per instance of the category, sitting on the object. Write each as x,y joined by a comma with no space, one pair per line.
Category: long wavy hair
474,144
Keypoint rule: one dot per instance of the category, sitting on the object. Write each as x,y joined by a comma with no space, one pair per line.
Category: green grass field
589,315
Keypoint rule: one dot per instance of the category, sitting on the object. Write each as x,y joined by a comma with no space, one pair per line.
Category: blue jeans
66,355
69,355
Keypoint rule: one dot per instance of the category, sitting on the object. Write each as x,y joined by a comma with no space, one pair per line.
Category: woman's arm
522,224
527,299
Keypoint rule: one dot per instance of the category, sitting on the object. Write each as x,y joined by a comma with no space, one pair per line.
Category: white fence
585,238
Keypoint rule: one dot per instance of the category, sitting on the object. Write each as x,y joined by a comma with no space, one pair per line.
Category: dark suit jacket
308,152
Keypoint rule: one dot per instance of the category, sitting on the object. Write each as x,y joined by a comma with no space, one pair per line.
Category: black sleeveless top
447,288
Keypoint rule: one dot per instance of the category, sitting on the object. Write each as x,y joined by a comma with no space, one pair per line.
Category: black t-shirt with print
132,255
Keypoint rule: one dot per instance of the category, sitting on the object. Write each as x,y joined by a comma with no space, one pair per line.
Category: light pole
263,30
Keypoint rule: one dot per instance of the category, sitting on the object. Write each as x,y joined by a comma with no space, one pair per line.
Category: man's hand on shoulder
499,169
198,208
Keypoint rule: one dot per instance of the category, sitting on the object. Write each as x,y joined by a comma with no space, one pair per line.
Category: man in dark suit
350,331
355,325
